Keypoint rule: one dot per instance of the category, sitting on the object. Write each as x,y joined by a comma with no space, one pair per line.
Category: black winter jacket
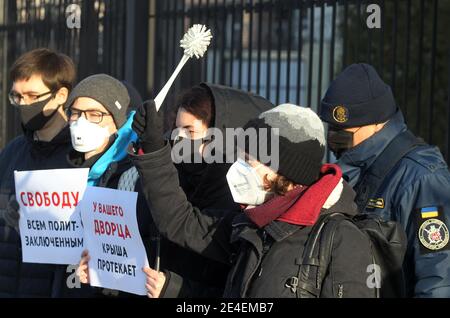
18,279
262,260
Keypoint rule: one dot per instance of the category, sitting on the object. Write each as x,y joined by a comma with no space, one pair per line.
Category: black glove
148,125
11,213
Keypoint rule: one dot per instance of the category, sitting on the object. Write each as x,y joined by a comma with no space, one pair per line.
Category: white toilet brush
195,43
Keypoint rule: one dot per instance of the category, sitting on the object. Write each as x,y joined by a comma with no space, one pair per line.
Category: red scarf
300,206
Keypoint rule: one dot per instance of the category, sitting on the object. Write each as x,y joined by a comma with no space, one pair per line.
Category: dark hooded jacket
190,274
233,108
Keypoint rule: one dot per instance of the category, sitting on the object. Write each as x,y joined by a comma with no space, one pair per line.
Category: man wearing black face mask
395,174
42,80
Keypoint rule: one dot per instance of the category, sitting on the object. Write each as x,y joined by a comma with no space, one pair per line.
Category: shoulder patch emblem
433,234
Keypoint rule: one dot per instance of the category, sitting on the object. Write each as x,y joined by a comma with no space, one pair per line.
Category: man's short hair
57,69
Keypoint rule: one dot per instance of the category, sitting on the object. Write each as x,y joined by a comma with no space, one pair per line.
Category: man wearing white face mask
101,133
265,241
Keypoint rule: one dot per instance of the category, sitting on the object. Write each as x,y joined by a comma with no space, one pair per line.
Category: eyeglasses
16,98
93,116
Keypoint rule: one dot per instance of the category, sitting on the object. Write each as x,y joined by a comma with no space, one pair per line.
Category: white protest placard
50,229
111,235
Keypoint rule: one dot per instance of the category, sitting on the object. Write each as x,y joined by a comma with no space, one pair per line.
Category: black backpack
388,247
388,239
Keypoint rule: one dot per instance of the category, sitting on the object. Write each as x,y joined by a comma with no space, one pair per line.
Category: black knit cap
357,97
301,141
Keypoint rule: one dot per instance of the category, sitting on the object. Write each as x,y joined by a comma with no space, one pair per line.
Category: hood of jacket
233,108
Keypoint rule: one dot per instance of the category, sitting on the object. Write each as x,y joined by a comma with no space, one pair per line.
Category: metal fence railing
285,50
289,50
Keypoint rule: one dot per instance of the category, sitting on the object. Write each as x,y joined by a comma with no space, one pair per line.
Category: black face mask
192,161
32,115
340,141
193,169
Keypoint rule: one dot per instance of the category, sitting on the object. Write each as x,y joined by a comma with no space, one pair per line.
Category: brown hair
198,101
279,186
57,69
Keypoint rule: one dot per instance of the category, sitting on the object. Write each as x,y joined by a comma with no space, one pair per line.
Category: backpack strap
313,264
372,179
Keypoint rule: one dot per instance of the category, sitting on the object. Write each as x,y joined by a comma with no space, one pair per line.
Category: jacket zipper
266,248
258,268
340,291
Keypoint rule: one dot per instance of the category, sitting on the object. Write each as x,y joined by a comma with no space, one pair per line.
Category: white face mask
87,136
245,184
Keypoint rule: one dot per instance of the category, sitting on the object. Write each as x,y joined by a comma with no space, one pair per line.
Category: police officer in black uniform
395,174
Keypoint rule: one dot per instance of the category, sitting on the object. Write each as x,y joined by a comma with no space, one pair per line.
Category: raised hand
148,125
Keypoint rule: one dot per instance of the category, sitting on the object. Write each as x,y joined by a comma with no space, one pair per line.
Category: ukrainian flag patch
429,212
